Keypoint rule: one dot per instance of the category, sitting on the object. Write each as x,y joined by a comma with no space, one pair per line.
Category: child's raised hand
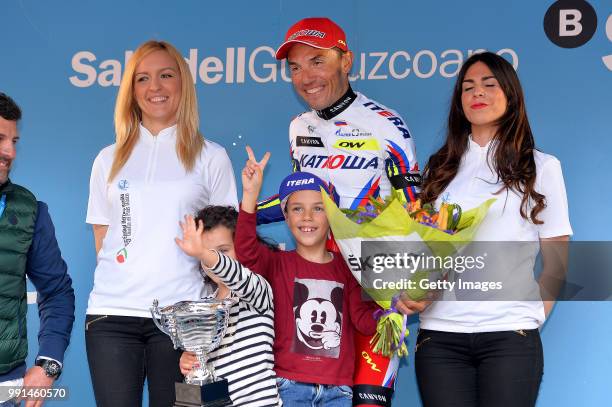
252,174
191,243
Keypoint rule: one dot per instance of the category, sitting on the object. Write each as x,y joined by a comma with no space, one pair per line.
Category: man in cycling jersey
360,147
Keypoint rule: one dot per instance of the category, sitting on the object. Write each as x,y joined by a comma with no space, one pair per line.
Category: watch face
52,368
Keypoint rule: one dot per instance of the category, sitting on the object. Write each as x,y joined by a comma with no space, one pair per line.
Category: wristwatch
51,367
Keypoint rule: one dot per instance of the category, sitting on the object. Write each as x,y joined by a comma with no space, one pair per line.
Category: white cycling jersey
359,146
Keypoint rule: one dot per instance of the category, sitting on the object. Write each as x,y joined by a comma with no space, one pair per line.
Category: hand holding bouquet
442,232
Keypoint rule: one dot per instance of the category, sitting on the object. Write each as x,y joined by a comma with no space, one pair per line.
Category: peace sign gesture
252,179
262,163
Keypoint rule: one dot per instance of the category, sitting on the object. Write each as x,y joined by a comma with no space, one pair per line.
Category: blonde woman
159,169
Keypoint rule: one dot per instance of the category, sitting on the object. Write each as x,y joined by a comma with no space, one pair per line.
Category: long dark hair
513,159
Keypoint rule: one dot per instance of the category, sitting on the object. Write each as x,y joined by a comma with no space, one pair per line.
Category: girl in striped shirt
244,356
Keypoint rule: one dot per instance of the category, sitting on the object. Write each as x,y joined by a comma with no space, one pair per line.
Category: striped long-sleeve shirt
245,356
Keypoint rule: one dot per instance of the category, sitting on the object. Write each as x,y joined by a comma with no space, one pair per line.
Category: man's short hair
339,51
8,108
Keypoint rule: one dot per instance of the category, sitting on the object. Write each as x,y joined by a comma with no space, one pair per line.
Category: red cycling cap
318,32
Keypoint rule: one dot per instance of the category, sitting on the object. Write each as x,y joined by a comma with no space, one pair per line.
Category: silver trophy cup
198,327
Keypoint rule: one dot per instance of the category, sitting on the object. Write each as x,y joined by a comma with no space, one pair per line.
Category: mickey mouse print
317,307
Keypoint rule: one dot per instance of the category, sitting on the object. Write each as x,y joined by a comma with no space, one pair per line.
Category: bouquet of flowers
440,232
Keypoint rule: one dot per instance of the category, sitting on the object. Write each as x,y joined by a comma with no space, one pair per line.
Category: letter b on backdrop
570,23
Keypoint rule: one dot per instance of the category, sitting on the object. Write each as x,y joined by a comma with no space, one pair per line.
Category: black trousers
122,352
490,369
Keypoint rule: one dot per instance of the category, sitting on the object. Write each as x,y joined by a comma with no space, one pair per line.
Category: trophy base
215,394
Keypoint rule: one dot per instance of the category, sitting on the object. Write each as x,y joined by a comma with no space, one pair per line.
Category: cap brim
283,50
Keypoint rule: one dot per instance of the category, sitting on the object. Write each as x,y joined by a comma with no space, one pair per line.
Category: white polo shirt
139,260
474,183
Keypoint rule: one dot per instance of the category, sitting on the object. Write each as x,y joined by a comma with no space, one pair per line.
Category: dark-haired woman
486,351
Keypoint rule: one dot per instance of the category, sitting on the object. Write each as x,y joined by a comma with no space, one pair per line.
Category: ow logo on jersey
347,162
367,144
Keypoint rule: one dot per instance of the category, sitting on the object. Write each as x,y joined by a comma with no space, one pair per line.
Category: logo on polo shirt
123,184
121,255
126,225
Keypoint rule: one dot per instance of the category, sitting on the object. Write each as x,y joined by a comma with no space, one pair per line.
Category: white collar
475,148
167,134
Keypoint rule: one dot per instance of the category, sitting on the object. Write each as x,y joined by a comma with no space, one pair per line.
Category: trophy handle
157,315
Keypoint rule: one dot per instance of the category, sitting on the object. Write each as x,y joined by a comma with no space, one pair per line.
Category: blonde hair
189,140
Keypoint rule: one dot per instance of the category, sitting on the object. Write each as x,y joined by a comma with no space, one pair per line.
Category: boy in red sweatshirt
317,301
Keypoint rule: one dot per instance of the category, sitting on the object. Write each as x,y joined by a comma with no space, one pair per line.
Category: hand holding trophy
197,326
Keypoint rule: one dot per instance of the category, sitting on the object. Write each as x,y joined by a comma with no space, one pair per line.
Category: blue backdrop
62,62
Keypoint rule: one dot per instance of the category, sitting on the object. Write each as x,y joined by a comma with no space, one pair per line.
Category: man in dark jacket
28,248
